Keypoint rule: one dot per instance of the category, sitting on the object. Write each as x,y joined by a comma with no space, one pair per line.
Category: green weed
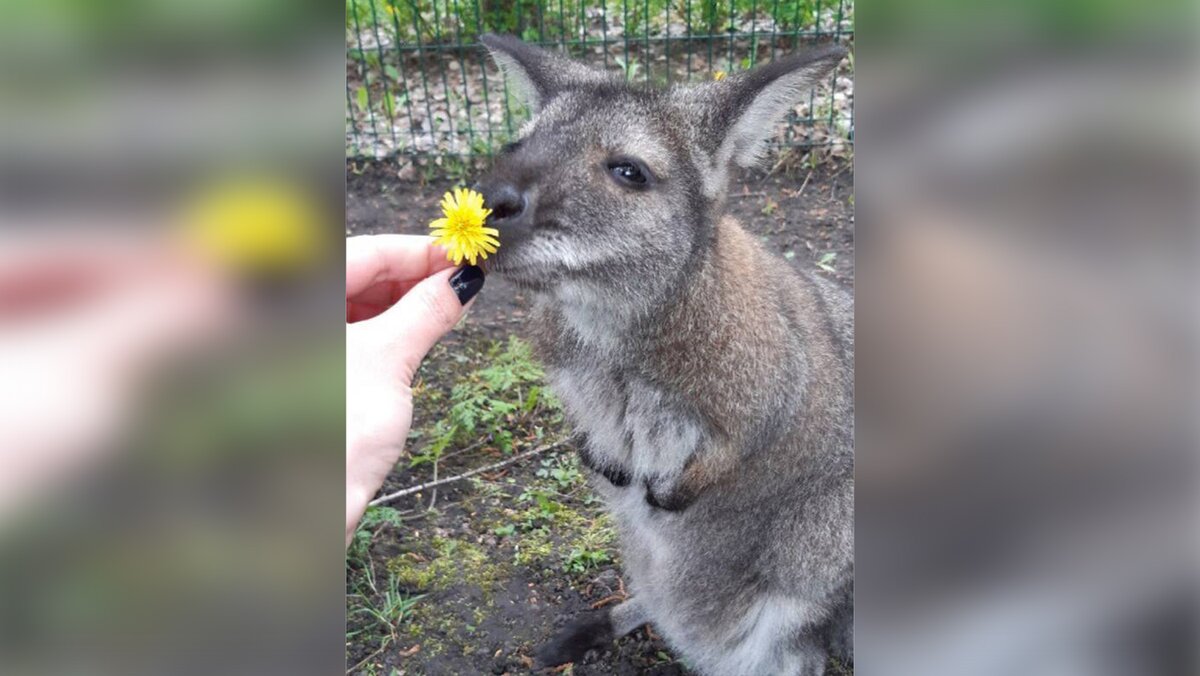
580,559
562,470
372,520
493,401
631,68
825,262
383,610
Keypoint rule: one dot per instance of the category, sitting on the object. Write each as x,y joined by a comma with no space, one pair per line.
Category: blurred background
171,404
1026,302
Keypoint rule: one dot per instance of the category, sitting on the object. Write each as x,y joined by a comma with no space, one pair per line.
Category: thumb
430,309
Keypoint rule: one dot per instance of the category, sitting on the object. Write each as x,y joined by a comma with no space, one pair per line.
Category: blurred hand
84,319
401,297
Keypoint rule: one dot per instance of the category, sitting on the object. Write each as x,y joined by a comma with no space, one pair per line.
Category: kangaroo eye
629,172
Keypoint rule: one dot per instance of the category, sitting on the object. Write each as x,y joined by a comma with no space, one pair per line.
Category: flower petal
462,230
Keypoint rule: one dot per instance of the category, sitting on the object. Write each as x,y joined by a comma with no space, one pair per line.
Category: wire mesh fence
419,83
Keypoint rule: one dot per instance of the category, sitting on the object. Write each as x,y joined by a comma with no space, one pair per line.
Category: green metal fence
418,83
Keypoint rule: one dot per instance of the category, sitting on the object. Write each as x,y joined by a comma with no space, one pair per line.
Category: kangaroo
711,384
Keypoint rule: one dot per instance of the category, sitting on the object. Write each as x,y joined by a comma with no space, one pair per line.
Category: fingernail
467,282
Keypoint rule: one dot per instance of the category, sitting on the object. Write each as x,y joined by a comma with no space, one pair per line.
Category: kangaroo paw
588,631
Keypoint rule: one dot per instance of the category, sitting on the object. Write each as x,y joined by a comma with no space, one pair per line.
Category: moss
426,624
411,572
533,547
445,628
453,562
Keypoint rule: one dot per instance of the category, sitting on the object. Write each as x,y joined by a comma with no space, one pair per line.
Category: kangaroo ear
739,112
539,74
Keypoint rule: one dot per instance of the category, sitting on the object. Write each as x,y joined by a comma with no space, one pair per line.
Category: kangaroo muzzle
512,211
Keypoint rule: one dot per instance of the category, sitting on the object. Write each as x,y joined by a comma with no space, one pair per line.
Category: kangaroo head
618,185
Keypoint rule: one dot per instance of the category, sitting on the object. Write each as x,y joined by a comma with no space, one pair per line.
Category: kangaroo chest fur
670,400
633,431
638,439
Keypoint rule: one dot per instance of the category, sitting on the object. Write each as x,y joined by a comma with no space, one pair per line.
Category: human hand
402,295
85,321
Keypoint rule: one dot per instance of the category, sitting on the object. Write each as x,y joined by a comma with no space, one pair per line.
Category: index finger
371,259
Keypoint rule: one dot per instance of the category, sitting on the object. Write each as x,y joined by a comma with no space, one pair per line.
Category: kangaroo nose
505,201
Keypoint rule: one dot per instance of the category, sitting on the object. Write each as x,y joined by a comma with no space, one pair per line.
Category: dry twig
433,498
366,659
804,184
465,475
619,595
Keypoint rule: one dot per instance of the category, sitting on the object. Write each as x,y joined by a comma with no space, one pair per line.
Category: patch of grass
545,508
381,609
533,548
555,531
592,545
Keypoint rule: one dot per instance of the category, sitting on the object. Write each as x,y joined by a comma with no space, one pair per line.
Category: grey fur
713,383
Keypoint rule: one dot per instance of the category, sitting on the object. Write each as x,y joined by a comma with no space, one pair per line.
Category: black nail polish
467,282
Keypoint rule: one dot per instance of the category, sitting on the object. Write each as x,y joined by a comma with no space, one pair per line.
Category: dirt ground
503,560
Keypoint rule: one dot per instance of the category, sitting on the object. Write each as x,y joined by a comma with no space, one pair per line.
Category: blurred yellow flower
462,231
719,75
255,225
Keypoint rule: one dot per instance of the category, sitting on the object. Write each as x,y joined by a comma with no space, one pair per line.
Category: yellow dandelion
255,224
462,231
719,75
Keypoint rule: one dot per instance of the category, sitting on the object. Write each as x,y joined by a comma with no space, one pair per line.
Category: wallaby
710,383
